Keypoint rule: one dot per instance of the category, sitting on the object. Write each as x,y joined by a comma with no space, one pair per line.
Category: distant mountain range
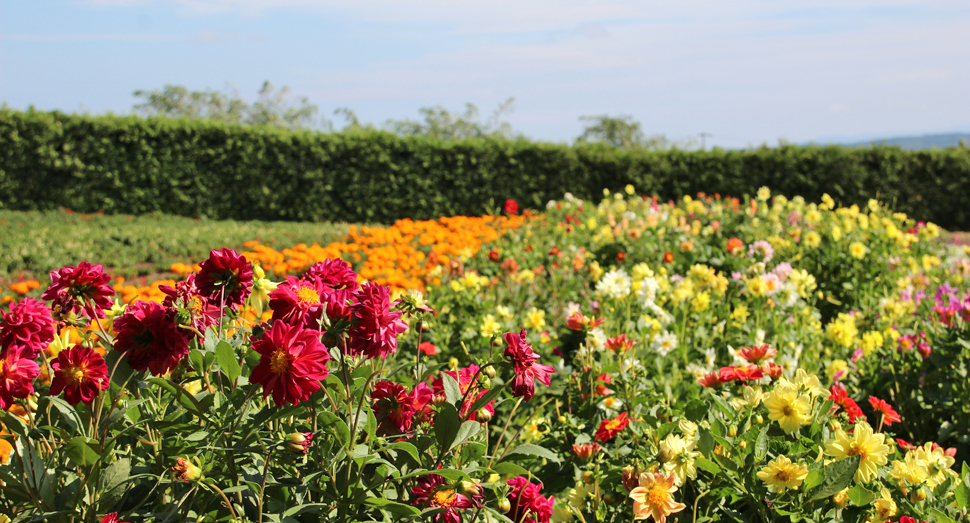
926,141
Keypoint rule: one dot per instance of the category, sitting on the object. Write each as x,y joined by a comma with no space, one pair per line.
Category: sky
747,72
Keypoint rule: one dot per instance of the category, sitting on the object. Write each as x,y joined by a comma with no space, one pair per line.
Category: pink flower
16,376
393,407
333,273
376,328
758,353
150,338
80,373
82,287
298,302
527,504
190,306
526,369
226,277
111,517
292,363
432,491
29,325
511,206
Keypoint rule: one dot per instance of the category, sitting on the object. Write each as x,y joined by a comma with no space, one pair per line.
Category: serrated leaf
761,446
838,475
452,388
466,431
696,410
708,465
860,496
529,449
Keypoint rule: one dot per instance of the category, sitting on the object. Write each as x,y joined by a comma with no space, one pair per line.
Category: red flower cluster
525,365
527,504
84,287
586,451
432,491
842,401
464,378
620,343
731,374
395,408
609,428
17,374
757,354
578,322
298,301
189,306
80,373
292,363
333,273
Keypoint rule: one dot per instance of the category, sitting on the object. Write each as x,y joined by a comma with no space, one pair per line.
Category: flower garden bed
701,360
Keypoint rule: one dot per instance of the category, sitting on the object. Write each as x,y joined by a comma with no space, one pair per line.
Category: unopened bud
588,477
743,444
299,442
185,471
609,498
759,419
484,381
503,505
664,456
841,498
835,425
917,495
439,400
562,419
732,431
470,488
453,363
483,415
489,371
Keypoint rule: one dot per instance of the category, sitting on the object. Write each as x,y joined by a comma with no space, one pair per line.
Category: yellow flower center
444,498
787,411
658,495
280,362
613,424
783,475
76,375
308,295
855,450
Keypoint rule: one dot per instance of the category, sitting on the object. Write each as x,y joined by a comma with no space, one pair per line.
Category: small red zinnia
80,373
225,277
609,428
511,206
620,343
29,325
525,365
668,257
428,348
841,399
292,363
889,416
83,287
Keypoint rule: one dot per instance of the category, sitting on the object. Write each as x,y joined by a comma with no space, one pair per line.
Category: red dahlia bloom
889,416
578,322
772,369
292,363
712,380
742,373
111,517
29,325
758,353
226,277
376,329
150,338
511,206
298,302
586,451
527,504
526,369
432,491
464,378
668,257
842,400
16,376
609,428
393,407
83,287
620,343
80,373
334,273
191,307
428,348
734,245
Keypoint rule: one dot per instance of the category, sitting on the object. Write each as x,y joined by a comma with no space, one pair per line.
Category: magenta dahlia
17,375
298,302
393,407
225,277
376,328
527,504
464,378
526,368
292,363
82,287
29,325
334,273
150,338
80,373
191,308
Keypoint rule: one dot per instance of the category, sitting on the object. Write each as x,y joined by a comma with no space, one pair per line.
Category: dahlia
393,407
464,378
225,276
620,343
527,504
432,491
29,325
83,287
758,353
586,451
111,517
334,273
863,442
80,373
653,497
526,368
790,409
841,399
16,376
889,416
781,474
152,341
192,309
609,428
376,328
292,363
297,301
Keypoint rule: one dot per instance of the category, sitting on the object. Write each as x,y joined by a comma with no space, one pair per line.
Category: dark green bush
198,168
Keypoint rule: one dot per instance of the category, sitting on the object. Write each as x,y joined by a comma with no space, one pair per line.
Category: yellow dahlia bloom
857,250
872,448
885,507
653,498
938,464
912,471
781,474
788,408
682,454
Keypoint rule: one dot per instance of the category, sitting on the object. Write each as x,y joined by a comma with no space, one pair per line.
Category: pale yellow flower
781,474
863,442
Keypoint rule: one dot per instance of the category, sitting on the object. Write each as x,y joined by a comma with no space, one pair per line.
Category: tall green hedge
198,168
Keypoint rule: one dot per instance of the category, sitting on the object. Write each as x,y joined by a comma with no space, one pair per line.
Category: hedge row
198,168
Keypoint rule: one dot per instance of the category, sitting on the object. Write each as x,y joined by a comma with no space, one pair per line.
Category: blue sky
746,71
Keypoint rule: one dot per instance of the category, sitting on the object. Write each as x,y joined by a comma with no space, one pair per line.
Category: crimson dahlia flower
432,491
841,399
82,287
298,302
190,306
226,276
375,330
292,363
29,325
609,428
80,373
334,273
16,376
526,368
393,407
150,338
527,504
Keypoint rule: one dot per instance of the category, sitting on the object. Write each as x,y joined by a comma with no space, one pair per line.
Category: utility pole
703,136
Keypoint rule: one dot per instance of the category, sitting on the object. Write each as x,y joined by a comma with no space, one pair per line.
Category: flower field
707,359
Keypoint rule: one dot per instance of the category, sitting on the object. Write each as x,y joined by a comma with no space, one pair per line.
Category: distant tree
619,131
273,107
443,124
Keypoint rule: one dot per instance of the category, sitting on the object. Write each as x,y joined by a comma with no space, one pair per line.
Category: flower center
787,411
658,495
280,362
444,498
74,375
856,451
195,304
308,295
612,424
783,475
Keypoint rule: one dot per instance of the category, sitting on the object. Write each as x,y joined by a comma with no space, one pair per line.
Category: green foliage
203,168
622,131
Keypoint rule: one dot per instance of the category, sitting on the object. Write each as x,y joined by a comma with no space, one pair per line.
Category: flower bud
743,444
562,419
631,477
439,400
503,505
609,498
453,363
470,488
489,371
733,431
664,456
841,498
588,477
299,442
185,471
484,381
917,495
835,425
483,415
759,419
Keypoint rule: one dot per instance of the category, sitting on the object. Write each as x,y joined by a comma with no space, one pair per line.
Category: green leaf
486,398
761,446
533,450
393,506
226,356
68,412
961,495
696,410
708,465
452,389
506,468
307,508
82,451
465,431
838,475
446,424
814,479
406,447
197,360
941,516
112,480
185,399
861,496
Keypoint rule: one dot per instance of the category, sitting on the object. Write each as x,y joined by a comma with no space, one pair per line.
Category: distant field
34,243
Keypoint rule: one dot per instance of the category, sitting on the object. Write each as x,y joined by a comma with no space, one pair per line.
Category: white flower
736,357
648,291
610,404
698,371
571,308
710,356
789,364
597,339
759,337
630,364
664,343
615,284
